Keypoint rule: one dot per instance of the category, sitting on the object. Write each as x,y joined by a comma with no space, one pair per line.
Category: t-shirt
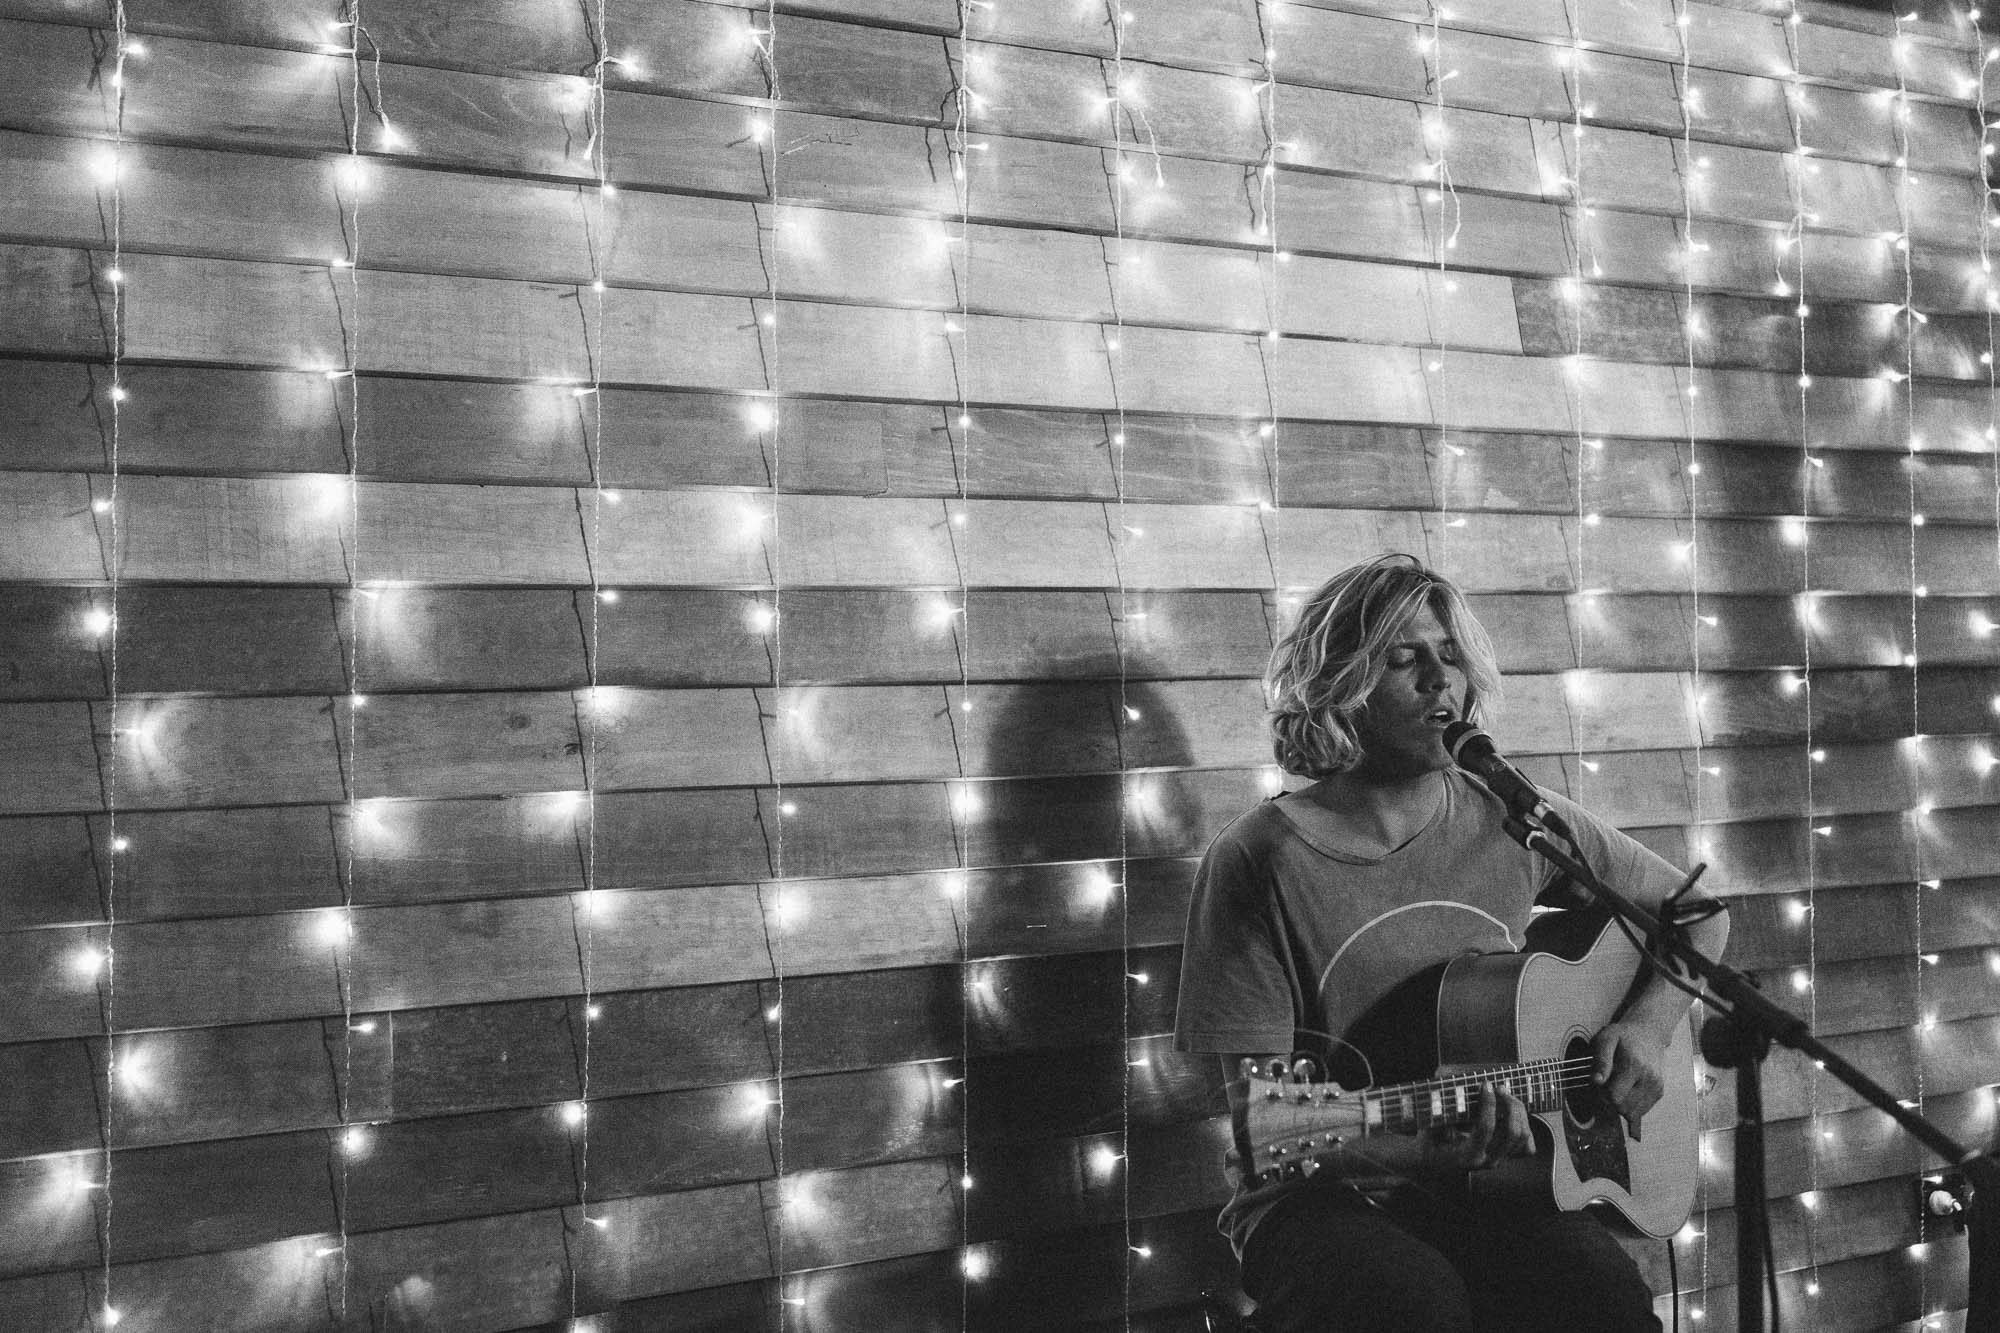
1294,938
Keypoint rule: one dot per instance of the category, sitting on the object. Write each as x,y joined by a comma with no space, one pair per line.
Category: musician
1316,913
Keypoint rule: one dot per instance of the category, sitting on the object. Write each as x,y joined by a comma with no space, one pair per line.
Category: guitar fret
1412,1107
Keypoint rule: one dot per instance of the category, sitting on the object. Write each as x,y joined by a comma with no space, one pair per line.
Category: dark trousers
1430,1259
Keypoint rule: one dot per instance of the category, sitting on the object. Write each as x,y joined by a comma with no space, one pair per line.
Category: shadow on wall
1078,1113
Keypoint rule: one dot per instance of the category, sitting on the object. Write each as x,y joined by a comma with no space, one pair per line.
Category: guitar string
1388,1168
1409,1106
1567,1066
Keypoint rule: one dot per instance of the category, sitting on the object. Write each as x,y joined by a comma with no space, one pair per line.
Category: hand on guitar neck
1497,1129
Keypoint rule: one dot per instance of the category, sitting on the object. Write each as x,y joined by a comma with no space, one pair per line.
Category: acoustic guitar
1523,1022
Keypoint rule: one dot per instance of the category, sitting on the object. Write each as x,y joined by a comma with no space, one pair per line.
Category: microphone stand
1754,1023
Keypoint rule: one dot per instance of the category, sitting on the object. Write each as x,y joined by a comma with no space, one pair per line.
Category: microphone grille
1458,733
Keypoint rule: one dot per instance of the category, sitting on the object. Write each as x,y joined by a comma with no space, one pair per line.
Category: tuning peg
1304,1070
1275,1071
1309,1166
1248,1068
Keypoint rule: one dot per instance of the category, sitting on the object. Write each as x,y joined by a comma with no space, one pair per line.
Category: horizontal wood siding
780,631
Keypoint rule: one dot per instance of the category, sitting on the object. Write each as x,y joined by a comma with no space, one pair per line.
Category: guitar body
1515,1008
1523,1021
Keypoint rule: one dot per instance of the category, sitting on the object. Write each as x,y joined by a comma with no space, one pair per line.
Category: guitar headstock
1297,1123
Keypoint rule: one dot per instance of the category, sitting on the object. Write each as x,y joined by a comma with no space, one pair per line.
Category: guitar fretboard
1407,1108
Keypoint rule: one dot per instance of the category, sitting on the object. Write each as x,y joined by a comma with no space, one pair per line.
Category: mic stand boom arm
1756,1015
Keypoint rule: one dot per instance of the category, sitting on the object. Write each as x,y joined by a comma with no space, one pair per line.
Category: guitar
1522,1022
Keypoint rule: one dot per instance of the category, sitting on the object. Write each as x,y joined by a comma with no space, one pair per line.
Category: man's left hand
1627,1064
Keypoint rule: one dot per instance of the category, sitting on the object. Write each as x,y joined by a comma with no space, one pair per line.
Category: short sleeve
1237,996
1620,860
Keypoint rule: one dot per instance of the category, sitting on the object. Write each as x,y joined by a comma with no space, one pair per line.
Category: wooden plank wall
632,676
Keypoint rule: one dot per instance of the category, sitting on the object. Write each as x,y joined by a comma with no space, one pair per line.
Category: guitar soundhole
1581,1098
1591,1130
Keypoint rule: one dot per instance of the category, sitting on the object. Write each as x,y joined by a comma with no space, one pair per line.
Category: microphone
1473,750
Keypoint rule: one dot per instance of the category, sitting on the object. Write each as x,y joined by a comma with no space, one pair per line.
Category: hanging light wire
1794,243
346,272
1690,166
113,514
958,264
768,136
1445,226
595,204
1575,293
1900,115
1123,528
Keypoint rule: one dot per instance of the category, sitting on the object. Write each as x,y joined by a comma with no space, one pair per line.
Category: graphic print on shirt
1383,1011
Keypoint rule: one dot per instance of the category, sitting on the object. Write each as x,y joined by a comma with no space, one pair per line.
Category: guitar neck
1406,1108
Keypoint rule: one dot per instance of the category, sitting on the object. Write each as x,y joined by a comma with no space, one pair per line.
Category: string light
1573,80
1910,326
1695,248
1444,228
1989,218
98,966
336,925
958,620
1119,203
591,905
765,131
1804,912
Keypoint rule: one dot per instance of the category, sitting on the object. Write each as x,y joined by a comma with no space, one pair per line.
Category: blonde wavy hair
1331,659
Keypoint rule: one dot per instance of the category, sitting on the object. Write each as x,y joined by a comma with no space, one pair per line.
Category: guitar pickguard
1593,1134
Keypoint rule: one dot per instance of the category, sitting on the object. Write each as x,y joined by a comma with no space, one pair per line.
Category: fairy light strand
1444,238
1988,219
773,431
595,206
1983,59
1794,242
1270,430
347,270
1118,16
114,524
1690,336
1575,292
959,621
1900,115
1692,249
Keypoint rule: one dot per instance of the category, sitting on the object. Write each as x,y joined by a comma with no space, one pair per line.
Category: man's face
1422,691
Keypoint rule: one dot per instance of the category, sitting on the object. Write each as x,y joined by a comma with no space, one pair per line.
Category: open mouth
1441,717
